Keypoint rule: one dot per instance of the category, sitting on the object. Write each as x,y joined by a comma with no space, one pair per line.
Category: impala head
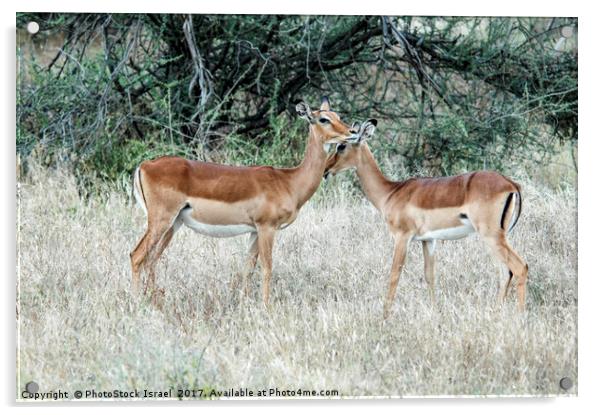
324,123
347,154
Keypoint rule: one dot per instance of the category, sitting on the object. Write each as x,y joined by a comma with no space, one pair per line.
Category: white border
590,285
340,7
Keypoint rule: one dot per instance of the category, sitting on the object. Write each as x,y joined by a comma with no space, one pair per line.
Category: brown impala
431,209
223,201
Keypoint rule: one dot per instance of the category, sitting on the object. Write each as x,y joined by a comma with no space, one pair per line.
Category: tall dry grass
79,327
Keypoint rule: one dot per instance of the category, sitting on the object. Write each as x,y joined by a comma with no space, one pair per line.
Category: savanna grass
80,328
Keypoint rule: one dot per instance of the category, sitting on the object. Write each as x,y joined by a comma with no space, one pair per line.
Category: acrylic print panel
412,234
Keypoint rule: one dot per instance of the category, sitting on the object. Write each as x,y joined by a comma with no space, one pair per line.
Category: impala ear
325,106
304,111
367,129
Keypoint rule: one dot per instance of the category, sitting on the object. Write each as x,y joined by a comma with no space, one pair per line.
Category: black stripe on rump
505,211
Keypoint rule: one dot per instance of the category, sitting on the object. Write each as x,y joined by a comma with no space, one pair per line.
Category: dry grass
80,327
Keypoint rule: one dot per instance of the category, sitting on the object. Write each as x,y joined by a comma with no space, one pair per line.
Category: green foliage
281,145
110,164
450,93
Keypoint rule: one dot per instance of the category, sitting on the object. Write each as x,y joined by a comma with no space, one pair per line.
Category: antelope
433,209
225,201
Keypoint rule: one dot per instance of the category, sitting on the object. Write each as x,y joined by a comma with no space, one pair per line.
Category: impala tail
137,192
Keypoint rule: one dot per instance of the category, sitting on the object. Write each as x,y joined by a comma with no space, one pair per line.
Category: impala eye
341,148
324,121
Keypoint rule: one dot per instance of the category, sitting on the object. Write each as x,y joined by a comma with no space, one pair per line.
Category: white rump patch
514,216
218,231
136,185
458,232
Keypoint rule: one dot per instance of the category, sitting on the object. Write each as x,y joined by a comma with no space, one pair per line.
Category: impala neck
375,185
308,175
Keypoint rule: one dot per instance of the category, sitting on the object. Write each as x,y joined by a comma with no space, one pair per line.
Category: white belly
458,232
218,231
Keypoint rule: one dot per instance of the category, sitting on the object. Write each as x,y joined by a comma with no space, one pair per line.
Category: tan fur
266,198
417,206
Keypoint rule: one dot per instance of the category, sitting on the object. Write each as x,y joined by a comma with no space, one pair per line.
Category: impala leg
142,257
137,258
154,257
265,237
399,255
249,266
517,266
428,249
505,281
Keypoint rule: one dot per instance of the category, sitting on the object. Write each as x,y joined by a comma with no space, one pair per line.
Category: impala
432,209
224,201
